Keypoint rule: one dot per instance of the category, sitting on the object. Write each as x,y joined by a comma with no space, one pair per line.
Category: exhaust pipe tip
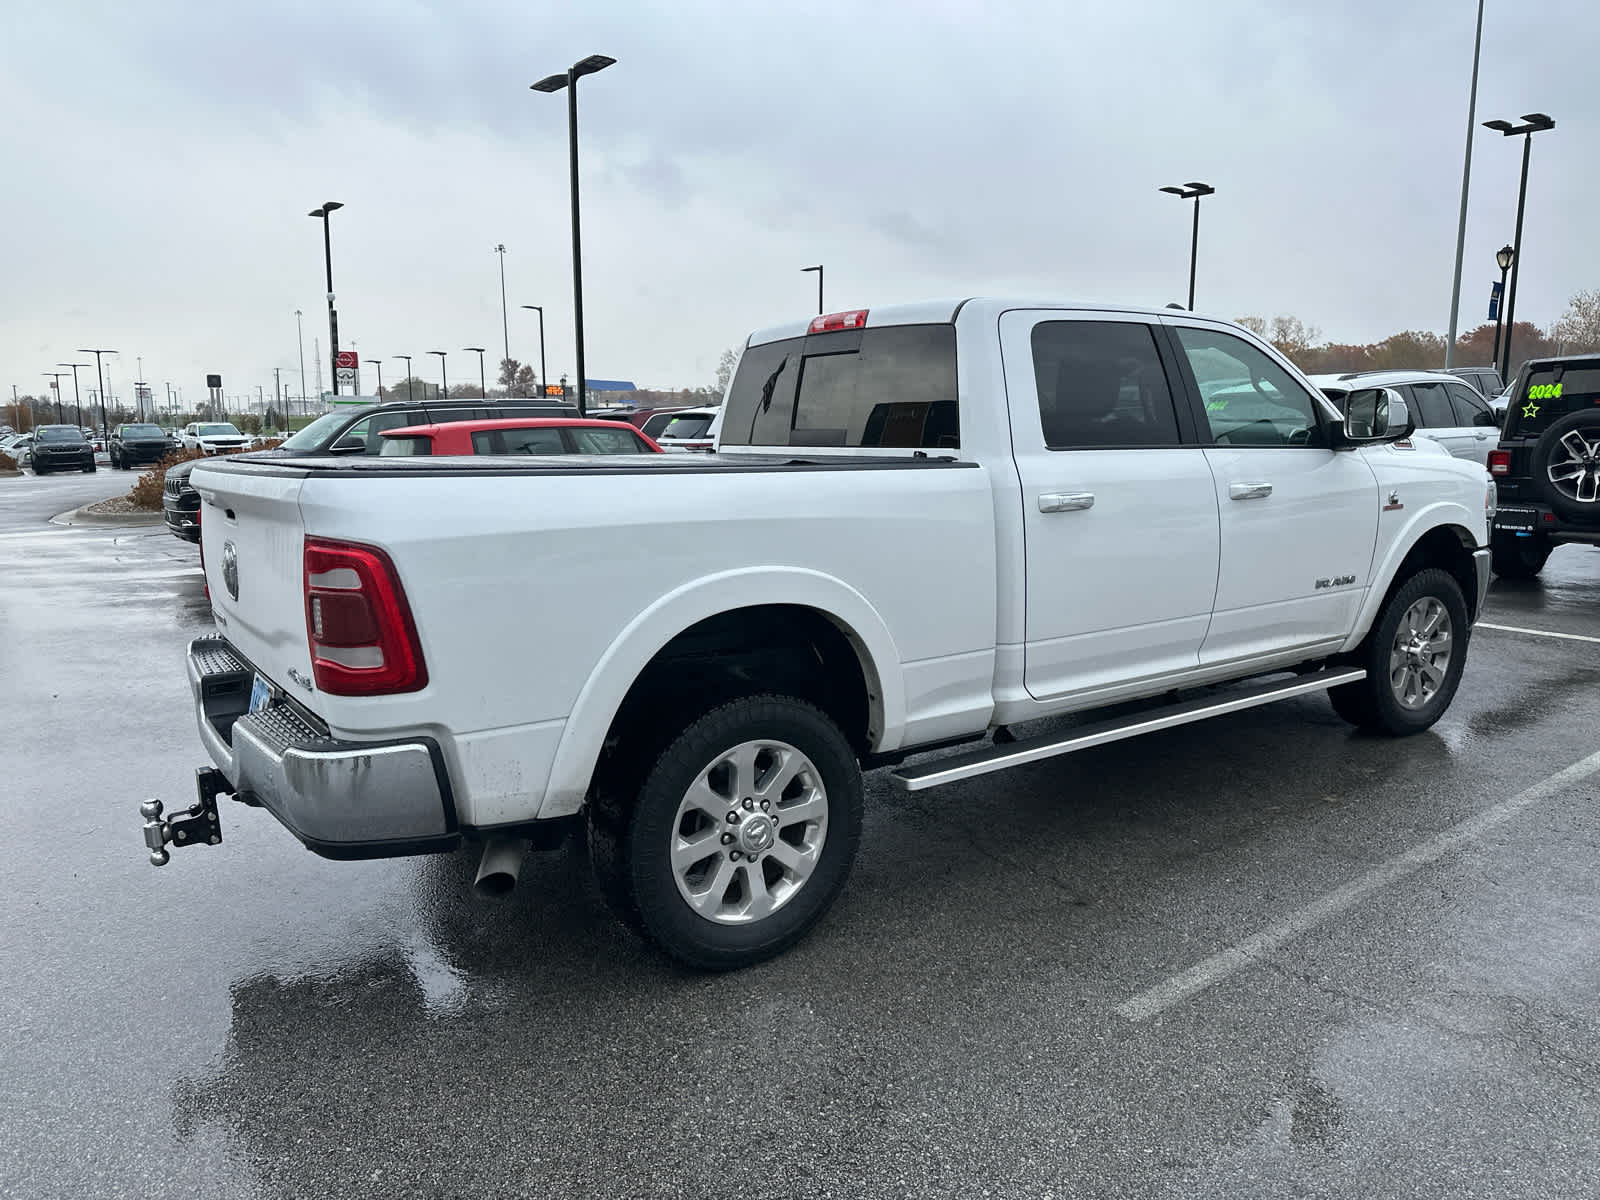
499,867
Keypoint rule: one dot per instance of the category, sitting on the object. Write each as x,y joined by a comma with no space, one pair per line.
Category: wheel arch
713,628
1445,541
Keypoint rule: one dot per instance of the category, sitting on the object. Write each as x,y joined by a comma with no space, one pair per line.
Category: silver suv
1444,408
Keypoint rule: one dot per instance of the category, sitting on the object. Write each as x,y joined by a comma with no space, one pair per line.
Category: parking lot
1259,956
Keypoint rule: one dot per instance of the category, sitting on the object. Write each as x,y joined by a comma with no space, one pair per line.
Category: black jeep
1547,467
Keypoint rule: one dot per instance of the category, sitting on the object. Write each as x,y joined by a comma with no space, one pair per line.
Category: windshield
59,433
144,431
217,431
316,435
686,427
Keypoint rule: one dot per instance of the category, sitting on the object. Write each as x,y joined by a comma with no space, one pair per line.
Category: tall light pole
539,308
1466,178
1192,191
1504,257
300,327
445,393
77,396
483,389
554,83
101,379
1532,123
410,384
328,208
378,362
818,270
55,385
505,321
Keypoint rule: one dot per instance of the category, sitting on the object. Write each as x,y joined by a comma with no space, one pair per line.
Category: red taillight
1499,462
363,641
839,320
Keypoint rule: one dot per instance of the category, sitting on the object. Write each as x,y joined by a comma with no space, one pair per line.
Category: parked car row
1443,408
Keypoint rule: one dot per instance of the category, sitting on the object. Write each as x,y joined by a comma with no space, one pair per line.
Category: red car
517,435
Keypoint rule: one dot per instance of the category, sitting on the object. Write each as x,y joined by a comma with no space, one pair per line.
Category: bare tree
1578,330
725,366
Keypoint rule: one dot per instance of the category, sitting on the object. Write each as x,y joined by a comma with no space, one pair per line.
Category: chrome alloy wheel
1420,656
749,832
1577,476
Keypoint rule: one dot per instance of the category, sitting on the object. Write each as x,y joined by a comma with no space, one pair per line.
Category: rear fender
633,649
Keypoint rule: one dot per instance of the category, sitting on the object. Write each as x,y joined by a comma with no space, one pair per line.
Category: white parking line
1567,637
1256,947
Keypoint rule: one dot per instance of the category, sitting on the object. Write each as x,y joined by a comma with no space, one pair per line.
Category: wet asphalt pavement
1392,988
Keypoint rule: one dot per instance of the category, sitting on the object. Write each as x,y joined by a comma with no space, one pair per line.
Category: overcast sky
158,159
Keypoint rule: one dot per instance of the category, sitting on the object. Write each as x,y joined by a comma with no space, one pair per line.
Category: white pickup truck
923,524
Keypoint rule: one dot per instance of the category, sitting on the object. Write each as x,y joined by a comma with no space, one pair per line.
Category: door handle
1249,491
1065,501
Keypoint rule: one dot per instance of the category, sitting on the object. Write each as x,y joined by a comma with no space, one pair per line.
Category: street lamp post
410,385
554,83
101,379
378,363
483,389
445,393
328,208
55,385
77,396
505,320
1192,191
539,308
818,270
1504,256
1532,123
1466,179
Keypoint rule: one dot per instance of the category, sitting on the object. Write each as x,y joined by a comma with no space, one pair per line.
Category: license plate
260,694
1515,519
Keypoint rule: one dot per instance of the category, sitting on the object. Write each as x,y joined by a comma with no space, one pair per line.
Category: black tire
37,470
90,469
630,843
1549,447
1372,703
1512,557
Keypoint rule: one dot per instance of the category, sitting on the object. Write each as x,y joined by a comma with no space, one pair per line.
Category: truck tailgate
250,531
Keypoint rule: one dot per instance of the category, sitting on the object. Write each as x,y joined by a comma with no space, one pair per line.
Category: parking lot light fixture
444,394
483,389
554,83
1504,256
328,208
55,386
410,386
77,396
1192,191
1532,123
818,270
101,380
378,363
538,308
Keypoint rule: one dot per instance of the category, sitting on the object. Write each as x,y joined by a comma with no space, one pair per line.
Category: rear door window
1101,383
892,387
404,447
1433,409
538,440
606,441
1469,406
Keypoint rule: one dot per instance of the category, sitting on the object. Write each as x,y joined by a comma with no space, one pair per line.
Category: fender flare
1437,515
583,735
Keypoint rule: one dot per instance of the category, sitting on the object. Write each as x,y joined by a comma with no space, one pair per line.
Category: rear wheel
1517,558
741,836
1414,657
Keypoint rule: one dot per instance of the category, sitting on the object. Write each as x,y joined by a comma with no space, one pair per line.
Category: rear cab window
891,387
405,447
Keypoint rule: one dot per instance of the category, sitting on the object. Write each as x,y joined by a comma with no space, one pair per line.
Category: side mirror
348,445
1376,415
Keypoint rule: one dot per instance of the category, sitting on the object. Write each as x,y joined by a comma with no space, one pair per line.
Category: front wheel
89,469
1414,657
1512,557
741,836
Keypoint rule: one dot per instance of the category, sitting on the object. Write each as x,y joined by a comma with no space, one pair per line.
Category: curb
82,516
10,474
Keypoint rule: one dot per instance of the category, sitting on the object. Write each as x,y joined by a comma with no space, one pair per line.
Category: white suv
1444,408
